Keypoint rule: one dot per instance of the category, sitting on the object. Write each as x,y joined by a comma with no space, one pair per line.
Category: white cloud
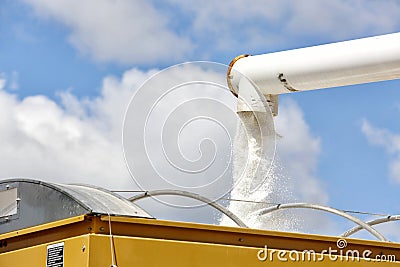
298,151
238,25
388,140
343,18
9,79
145,32
2,81
117,31
80,142
14,81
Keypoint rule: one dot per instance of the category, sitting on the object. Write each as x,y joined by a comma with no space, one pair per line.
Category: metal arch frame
390,218
213,204
361,224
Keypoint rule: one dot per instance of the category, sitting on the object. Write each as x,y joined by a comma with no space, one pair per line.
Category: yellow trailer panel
85,241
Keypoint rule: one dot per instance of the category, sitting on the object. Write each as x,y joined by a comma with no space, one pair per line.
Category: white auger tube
338,64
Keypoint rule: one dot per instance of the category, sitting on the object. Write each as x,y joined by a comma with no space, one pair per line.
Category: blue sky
70,62
35,48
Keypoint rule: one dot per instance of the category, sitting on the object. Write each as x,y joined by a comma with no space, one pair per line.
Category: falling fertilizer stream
256,176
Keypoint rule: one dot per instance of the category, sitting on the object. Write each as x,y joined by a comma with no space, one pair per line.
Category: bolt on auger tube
358,61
